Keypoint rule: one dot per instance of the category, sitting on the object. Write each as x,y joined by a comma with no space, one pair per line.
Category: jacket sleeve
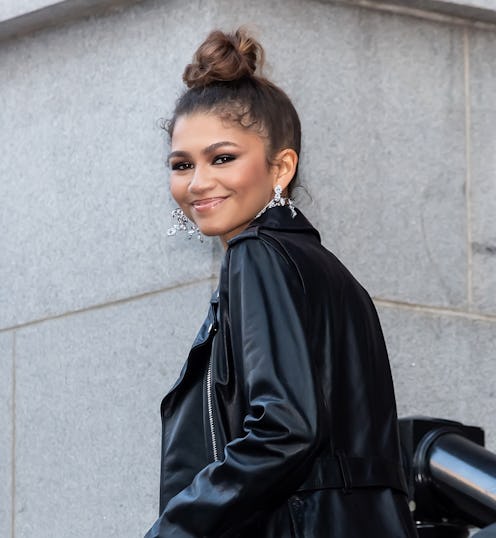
269,345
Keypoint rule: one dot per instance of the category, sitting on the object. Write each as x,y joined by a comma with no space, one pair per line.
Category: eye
222,159
181,165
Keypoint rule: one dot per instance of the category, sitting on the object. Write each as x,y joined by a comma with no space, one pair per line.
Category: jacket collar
277,218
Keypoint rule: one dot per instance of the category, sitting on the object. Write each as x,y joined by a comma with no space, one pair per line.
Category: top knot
224,57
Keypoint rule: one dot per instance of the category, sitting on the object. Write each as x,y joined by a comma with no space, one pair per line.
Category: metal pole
465,472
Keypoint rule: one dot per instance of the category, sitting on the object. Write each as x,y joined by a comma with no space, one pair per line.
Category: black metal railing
451,478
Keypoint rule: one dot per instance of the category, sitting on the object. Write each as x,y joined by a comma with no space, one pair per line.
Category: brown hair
224,78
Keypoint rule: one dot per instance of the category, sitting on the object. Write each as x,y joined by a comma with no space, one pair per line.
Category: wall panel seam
58,14
437,310
13,444
55,16
468,164
419,13
107,304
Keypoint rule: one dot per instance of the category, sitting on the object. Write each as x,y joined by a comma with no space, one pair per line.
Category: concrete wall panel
443,366
28,15
6,429
381,98
84,190
382,150
391,147
88,435
483,144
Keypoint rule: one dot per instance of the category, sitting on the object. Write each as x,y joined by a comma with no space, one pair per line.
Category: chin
212,231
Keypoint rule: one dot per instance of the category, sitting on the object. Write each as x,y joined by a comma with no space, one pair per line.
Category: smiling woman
283,421
219,173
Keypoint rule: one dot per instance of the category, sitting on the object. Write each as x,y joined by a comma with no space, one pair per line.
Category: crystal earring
279,201
183,224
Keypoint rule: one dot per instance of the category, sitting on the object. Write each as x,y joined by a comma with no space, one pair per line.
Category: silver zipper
211,410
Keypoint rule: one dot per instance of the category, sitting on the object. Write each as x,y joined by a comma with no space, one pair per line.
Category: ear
285,163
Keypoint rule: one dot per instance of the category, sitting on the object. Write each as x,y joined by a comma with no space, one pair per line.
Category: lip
207,203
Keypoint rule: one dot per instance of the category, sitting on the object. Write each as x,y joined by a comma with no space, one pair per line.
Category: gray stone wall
98,307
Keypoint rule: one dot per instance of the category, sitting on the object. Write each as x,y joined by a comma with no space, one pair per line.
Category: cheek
255,180
177,189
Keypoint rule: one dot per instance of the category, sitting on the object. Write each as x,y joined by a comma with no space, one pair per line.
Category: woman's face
219,174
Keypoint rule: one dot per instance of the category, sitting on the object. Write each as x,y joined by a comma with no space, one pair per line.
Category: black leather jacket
283,420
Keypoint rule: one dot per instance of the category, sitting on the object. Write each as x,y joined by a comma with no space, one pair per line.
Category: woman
283,420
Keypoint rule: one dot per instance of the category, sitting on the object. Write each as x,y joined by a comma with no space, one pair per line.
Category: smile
207,203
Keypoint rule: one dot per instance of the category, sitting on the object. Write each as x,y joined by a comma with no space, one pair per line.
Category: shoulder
261,284
258,252
259,259
275,234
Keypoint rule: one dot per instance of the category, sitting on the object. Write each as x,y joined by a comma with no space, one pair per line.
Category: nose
201,181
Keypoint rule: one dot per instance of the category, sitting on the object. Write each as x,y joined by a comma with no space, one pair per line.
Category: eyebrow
205,151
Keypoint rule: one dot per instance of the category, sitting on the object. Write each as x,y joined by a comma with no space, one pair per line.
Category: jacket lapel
195,354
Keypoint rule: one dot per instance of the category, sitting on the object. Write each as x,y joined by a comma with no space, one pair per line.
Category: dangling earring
279,201
184,225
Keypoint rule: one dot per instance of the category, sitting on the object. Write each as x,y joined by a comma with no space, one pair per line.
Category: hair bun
224,57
